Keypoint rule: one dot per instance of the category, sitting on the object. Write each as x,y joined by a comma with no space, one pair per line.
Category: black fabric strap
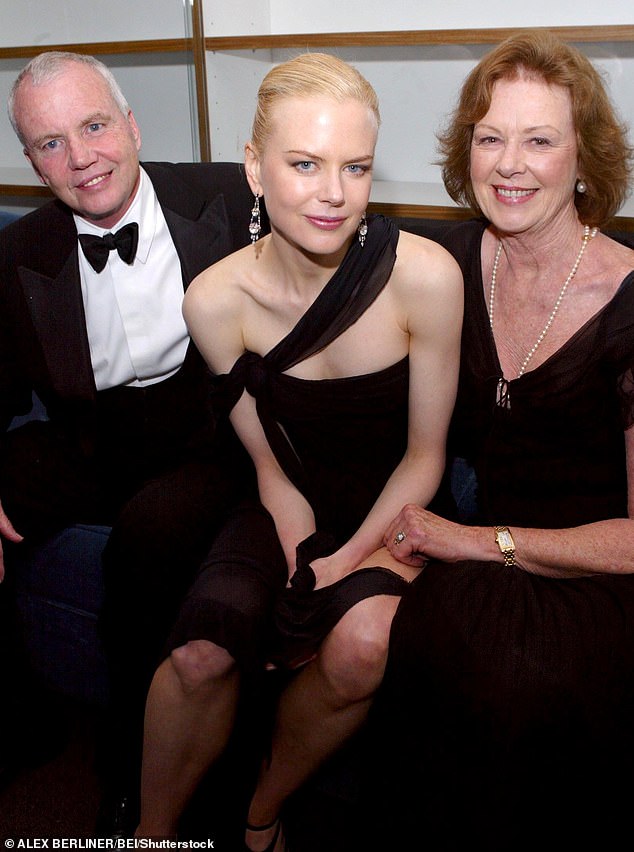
362,275
360,278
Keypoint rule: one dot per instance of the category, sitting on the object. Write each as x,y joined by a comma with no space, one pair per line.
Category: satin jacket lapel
57,312
201,234
197,220
202,241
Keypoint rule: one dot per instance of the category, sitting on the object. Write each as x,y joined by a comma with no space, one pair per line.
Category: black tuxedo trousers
165,478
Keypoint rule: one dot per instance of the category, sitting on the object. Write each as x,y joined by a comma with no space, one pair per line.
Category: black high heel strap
271,845
262,827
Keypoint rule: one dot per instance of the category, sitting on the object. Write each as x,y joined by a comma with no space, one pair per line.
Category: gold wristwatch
506,544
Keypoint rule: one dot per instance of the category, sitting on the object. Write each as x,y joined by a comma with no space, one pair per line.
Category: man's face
79,142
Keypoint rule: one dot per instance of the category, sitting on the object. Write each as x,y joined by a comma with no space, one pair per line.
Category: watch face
505,540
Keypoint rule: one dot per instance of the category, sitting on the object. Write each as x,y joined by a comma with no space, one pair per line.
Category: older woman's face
524,155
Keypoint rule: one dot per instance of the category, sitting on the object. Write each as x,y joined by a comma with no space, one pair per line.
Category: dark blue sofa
59,591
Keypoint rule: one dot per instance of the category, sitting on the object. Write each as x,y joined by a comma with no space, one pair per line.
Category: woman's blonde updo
309,74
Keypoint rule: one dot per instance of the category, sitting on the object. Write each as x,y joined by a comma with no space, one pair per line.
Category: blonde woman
336,343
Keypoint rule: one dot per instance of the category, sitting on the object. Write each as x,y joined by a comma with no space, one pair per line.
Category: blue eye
357,169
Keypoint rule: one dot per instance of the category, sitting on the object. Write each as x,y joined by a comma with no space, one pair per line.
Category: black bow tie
97,249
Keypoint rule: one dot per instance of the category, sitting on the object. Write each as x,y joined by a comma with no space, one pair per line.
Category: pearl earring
581,186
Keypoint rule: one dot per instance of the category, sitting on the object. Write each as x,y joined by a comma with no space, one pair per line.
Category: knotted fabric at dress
97,249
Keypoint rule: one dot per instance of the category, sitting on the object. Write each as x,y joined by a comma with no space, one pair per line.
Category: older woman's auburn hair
309,75
605,157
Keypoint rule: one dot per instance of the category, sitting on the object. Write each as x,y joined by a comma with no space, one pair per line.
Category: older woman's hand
416,532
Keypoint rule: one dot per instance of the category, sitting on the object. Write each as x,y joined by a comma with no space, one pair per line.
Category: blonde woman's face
315,171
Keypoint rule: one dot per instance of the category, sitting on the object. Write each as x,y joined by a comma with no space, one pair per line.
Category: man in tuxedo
91,286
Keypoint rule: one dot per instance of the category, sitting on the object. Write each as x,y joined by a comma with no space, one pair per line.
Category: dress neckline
627,282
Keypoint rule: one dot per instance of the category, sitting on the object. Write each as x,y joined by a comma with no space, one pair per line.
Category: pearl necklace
587,236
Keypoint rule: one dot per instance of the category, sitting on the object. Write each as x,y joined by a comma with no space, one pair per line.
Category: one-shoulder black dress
337,440
507,713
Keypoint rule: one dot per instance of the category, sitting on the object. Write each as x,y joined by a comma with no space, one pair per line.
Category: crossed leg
324,705
193,698
189,717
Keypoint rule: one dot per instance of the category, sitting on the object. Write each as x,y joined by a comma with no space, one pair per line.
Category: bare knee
354,654
200,664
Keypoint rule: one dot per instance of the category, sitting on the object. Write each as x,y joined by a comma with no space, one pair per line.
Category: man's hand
7,531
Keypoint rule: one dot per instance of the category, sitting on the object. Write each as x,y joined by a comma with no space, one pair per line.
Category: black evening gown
506,718
337,440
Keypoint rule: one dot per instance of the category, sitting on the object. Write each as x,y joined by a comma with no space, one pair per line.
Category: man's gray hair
46,66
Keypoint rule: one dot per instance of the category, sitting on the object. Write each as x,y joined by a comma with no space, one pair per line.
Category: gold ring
400,536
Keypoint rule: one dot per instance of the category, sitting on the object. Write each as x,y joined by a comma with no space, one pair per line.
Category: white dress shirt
136,330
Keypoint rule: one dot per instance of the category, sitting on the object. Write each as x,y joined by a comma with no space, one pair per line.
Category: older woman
519,633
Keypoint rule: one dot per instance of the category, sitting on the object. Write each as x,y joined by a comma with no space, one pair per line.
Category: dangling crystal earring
255,225
362,230
581,186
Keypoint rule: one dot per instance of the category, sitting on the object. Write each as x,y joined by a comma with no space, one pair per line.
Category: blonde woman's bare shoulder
219,282
216,296
423,261
214,308
226,272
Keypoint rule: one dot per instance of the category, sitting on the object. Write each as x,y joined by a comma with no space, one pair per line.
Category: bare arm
601,547
214,311
293,516
429,288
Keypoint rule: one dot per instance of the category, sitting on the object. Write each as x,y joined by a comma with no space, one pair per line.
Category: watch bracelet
507,554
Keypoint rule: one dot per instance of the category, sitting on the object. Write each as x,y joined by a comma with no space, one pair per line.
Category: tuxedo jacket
43,338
